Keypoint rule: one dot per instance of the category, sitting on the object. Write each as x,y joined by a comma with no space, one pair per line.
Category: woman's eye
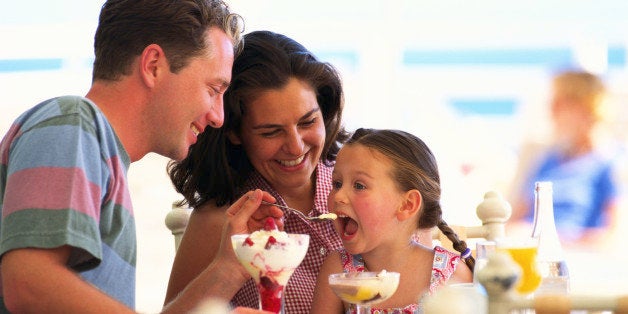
270,134
309,122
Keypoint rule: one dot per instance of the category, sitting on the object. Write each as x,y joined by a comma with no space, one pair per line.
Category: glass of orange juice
523,251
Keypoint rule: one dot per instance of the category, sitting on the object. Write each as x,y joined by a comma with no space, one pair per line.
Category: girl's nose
337,196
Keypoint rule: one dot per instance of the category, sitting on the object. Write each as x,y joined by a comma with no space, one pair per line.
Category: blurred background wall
469,77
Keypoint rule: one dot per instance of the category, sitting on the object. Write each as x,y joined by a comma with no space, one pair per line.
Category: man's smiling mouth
195,130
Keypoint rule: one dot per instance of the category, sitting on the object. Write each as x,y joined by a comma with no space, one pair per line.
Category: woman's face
283,134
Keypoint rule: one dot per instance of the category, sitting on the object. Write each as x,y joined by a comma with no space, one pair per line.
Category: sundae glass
270,256
364,288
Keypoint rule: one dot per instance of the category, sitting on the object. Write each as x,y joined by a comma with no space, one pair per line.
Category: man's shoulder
74,103
57,108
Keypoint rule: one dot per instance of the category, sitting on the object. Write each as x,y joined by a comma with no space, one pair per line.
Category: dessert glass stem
271,298
362,309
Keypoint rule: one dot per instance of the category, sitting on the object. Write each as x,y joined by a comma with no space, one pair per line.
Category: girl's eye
336,184
359,186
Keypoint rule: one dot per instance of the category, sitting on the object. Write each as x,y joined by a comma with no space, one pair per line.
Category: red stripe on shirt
13,132
52,188
118,172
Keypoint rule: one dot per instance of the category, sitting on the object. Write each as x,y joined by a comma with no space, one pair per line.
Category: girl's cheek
362,206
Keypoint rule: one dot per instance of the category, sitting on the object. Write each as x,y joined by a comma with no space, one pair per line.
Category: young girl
385,186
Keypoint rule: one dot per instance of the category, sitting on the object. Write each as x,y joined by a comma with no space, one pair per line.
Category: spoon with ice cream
320,217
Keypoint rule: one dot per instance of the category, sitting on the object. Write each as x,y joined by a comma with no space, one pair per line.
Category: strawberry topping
270,242
248,242
269,224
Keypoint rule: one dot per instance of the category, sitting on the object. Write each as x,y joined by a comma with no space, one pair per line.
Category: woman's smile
292,162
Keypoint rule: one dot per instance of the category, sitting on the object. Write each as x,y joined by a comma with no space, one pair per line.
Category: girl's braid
458,245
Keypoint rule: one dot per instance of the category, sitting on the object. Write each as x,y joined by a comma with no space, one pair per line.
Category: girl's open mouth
348,226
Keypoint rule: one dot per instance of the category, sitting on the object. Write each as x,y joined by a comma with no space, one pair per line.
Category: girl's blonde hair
585,89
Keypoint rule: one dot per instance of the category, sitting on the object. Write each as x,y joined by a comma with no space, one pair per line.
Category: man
67,232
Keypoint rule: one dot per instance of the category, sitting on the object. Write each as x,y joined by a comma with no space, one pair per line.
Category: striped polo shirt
63,182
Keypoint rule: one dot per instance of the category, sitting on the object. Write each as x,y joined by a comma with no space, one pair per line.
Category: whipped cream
271,253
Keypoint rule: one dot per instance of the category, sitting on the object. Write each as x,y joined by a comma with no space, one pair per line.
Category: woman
281,134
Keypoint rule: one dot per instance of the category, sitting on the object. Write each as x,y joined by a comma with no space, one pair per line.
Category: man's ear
233,138
410,206
152,62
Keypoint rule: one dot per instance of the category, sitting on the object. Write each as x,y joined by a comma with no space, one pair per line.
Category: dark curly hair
215,168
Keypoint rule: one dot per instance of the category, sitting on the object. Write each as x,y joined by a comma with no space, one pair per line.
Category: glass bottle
551,258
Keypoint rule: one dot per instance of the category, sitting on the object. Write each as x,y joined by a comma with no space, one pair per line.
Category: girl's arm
462,274
325,300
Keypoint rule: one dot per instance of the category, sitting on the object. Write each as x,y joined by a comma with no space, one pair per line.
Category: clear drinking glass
482,251
364,288
270,261
524,252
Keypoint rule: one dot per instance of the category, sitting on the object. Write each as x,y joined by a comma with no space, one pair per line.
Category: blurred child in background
582,172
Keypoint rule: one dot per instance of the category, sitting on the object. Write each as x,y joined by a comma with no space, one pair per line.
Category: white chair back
494,211
177,221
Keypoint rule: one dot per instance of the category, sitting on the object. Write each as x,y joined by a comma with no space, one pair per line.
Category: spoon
331,216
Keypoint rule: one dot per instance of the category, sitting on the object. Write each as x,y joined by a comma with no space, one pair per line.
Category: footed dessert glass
270,258
364,288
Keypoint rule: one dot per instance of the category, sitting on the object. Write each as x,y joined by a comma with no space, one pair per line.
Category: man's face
192,99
